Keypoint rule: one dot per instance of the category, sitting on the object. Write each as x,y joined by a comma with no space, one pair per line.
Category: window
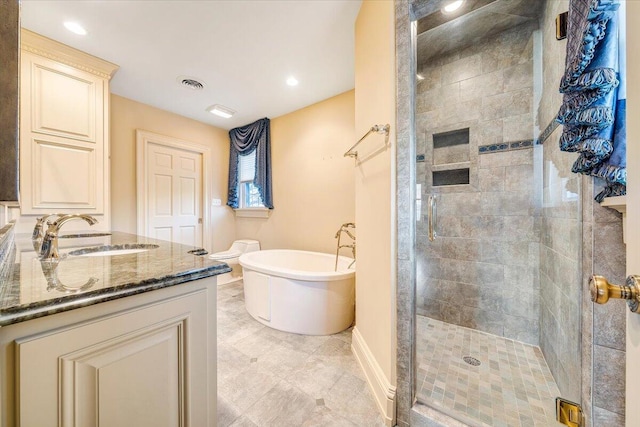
248,193
250,169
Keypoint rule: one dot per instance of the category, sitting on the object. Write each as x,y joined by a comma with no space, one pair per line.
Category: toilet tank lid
246,241
225,255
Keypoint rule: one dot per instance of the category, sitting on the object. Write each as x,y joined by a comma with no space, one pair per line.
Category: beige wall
375,187
313,189
126,117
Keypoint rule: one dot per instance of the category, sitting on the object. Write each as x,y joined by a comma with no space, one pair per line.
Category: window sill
252,212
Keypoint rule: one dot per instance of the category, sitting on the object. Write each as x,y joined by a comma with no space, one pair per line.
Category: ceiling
243,51
476,20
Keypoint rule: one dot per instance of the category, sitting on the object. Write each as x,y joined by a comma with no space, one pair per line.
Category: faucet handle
37,230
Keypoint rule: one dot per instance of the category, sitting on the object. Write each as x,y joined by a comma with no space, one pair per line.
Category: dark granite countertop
32,288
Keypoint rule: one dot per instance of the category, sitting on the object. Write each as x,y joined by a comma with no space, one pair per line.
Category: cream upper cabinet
64,132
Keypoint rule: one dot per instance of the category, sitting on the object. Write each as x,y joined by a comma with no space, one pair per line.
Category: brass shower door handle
601,291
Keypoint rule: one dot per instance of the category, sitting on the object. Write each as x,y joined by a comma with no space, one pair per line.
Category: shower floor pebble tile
268,377
512,386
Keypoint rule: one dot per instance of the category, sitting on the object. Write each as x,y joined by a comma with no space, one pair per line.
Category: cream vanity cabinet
64,128
143,360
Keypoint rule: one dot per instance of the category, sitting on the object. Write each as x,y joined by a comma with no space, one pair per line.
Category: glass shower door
498,230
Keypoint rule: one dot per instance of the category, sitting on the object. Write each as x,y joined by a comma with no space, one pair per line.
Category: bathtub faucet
344,228
352,246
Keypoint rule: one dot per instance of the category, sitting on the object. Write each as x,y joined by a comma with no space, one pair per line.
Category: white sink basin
113,250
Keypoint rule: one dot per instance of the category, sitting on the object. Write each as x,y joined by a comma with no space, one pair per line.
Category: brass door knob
601,290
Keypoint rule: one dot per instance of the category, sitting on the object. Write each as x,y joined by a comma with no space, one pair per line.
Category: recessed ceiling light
75,28
453,6
221,110
292,81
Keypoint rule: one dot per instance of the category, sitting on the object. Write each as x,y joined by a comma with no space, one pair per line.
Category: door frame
632,392
143,139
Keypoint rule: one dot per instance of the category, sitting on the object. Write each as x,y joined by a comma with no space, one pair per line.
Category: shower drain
471,360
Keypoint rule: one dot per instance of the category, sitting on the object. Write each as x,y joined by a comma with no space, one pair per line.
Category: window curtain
244,140
593,111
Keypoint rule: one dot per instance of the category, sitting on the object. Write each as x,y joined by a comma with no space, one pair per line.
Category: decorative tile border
519,145
546,133
505,146
485,149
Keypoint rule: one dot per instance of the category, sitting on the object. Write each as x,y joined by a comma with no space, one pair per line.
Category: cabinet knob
601,291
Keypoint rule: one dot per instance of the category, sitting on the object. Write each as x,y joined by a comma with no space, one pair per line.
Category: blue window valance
243,141
593,111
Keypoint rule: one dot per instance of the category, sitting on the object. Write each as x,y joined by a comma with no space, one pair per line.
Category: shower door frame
405,216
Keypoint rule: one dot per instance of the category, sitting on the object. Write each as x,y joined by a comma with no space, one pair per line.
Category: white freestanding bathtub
299,291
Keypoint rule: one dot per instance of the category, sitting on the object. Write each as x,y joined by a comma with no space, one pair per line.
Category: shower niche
450,153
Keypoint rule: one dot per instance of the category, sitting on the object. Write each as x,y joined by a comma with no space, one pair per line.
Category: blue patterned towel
593,111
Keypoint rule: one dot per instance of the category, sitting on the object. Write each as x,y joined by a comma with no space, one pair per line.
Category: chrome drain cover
471,360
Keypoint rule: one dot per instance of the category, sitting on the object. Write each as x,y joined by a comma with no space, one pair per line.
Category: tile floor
272,378
512,386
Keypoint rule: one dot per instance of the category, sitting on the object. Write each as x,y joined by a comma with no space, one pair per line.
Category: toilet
238,248
231,256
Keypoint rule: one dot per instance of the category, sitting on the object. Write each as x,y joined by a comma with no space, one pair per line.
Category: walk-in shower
498,222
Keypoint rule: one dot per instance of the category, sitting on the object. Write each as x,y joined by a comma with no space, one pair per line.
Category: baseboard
383,392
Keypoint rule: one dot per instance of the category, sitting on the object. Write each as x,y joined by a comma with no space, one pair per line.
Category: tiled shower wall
576,231
604,254
481,272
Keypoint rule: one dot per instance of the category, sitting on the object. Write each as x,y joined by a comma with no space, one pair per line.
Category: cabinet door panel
145,368
106,382
64,101
64,175
63,136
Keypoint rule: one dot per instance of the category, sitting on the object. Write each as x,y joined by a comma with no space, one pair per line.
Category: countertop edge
9,317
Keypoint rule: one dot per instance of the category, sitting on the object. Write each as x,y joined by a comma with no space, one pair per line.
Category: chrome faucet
344,228
37,230
49,247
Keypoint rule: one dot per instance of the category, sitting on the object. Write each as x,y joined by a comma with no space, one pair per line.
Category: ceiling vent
191,83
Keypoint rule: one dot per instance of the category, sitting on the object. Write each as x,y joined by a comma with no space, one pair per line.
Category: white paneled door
174,195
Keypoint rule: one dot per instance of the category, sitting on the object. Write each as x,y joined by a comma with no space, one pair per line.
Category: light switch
216,202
